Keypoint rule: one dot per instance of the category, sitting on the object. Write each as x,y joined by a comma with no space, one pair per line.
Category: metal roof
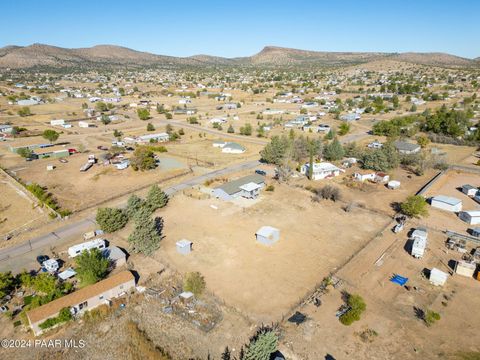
403,145
233,187
447,200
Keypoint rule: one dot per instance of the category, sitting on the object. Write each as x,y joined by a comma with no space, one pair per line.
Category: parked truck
91,234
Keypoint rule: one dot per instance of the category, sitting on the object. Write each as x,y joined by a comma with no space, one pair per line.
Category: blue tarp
400,280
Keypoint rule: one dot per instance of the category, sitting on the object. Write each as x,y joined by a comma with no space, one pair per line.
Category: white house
364,176
233,148
218,121
446,203
470,217
161,137
321,170
58,122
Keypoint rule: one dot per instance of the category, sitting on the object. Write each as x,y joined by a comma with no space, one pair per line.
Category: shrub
270,188
63,316
431,317
414,206
195,283
357,307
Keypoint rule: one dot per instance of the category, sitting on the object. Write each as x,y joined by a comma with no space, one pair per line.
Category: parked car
42,258
3,309
261,172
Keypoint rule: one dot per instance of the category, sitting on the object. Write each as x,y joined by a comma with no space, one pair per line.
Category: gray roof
233,145
447,200
405,146
232,187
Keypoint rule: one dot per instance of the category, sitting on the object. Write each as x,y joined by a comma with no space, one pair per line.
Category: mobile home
76,250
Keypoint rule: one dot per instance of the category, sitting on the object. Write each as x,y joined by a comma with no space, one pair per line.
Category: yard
265,282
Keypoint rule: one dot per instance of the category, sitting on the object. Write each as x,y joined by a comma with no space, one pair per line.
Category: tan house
82,300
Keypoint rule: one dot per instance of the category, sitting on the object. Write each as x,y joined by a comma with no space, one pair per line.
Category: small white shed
393,184
465,268
184,247
267,235
438,277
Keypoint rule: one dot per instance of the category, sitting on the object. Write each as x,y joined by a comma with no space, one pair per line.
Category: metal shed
447,203
267,235
184,247
438,277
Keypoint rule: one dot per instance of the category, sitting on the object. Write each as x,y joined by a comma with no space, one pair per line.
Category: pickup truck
91,234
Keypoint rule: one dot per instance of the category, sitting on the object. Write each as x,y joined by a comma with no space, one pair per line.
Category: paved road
11,258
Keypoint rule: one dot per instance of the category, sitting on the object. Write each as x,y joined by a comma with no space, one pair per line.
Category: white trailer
76,250
418,247
438,277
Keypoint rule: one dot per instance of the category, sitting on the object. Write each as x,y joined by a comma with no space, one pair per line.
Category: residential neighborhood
282,187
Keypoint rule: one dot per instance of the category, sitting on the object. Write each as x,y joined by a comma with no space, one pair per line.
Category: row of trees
147,233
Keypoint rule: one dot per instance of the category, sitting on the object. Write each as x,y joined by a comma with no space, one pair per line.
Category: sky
242,28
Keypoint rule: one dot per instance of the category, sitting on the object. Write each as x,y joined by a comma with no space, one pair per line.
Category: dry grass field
265,282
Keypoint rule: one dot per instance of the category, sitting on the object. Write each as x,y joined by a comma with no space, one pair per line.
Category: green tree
25,152
143,114
275,151
134,204
111,219
357,307
117,133
150,127
50,135
101,106
414,206
334,151
7,282
91,266
230,129
246,130
195,283
24,111
262,345
343,129
156,198
147,234
105,120
143,159
423,141
44,283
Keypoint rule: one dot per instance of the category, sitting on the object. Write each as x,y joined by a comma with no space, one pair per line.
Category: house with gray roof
248,187
404,147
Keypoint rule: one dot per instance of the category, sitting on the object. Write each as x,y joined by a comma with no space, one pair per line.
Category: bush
270,188
143,114
329,192
357,307
414,206
63,316
195,283
111,219
431,317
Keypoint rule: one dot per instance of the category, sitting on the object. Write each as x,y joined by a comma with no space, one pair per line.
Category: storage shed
267,235
465,268
438,277
470,217
446,203
184,247
393,184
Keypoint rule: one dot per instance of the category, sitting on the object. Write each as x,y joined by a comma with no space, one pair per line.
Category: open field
17,210
265,282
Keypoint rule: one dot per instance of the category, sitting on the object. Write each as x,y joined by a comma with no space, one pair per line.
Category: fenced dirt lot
16,209
262,281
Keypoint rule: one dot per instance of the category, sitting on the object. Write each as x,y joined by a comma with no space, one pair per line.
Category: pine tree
134,204
147,234
156,198
262,345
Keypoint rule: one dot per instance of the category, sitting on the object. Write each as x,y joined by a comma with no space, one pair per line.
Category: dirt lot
390,308
450,184
17,210
259,280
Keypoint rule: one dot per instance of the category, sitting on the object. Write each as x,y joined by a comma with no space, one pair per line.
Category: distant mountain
40,55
